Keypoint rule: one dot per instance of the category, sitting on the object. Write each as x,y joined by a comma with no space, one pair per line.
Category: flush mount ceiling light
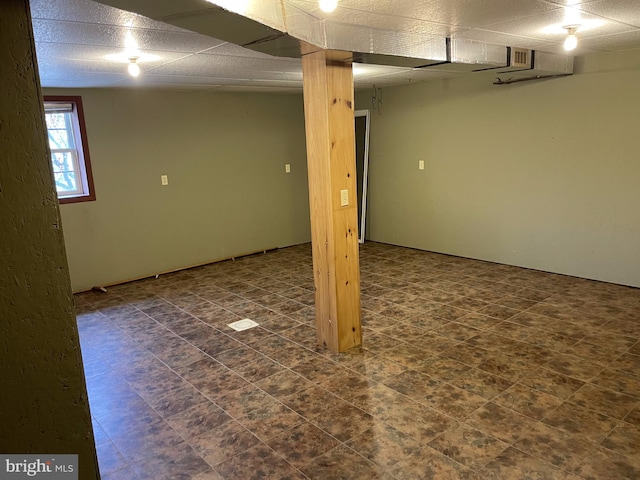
133,68
328,5
131,58
131,55
571,42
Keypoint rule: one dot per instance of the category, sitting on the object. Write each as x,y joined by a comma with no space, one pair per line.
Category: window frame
81,151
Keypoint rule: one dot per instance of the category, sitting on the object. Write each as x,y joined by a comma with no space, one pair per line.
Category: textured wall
43,404
228,193
541,174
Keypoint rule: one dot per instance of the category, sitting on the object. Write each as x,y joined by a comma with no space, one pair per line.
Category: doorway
362,125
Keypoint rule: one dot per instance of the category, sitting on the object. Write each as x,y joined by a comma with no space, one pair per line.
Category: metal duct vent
520,58
540,65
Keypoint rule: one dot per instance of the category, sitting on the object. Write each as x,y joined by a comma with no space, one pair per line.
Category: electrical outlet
344,198
287,168
164,179
421,165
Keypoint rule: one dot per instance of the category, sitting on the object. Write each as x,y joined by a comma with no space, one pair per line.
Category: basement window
67,139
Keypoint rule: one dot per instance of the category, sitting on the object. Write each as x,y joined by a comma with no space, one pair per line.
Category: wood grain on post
330,133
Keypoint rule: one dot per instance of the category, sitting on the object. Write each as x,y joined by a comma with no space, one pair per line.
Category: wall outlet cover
344,198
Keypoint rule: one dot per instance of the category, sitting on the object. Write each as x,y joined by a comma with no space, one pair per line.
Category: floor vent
244,324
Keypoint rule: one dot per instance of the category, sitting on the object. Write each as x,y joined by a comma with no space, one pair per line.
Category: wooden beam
330,132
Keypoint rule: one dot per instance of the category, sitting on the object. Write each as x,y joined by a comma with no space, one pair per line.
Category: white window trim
81,160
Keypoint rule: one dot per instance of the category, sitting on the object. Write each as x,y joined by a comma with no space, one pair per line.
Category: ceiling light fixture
571,42
328,5
133,67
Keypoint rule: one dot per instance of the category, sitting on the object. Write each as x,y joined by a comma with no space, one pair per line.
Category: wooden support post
330,132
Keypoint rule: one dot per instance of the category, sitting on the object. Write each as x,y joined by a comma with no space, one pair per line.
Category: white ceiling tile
259,75
548,26
74,60
59,77
625,11
260,82
151,78
181,87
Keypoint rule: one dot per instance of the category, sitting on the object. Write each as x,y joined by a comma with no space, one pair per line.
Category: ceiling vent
538,65
520,58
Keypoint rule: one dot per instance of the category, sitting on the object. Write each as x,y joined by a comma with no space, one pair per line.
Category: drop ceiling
75,37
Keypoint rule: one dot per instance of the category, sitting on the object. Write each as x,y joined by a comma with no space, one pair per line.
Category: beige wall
228,193
542,174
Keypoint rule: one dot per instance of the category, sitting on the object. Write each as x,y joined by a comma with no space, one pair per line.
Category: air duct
276,27
469,56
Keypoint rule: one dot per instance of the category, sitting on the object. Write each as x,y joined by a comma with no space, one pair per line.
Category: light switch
164,179
344,198
287,168
421,165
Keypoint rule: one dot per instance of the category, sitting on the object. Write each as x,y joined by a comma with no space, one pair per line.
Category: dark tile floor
469,370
